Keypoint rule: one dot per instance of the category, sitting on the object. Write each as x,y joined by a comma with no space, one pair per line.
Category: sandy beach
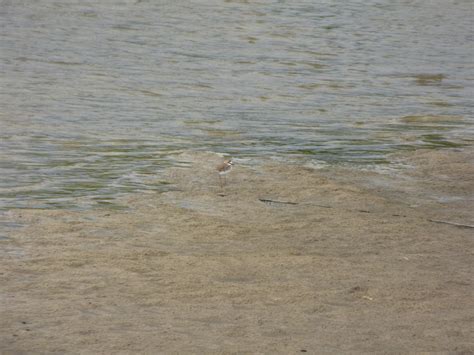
286,259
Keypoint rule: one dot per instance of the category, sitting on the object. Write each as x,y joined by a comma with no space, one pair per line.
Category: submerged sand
286,259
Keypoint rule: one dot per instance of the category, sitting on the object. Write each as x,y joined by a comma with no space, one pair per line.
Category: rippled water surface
97,97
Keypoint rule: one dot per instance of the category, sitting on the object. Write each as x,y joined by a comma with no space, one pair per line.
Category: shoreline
286,258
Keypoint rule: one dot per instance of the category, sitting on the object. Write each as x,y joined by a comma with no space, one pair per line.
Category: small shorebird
223,169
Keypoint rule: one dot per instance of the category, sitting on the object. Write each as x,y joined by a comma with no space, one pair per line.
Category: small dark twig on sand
460,225
265,200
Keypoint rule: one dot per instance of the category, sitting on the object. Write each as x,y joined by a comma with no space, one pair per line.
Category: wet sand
286,259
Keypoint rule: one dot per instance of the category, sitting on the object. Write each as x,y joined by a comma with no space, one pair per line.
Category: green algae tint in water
98,98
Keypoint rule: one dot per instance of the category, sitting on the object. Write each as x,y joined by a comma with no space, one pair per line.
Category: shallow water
97,98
